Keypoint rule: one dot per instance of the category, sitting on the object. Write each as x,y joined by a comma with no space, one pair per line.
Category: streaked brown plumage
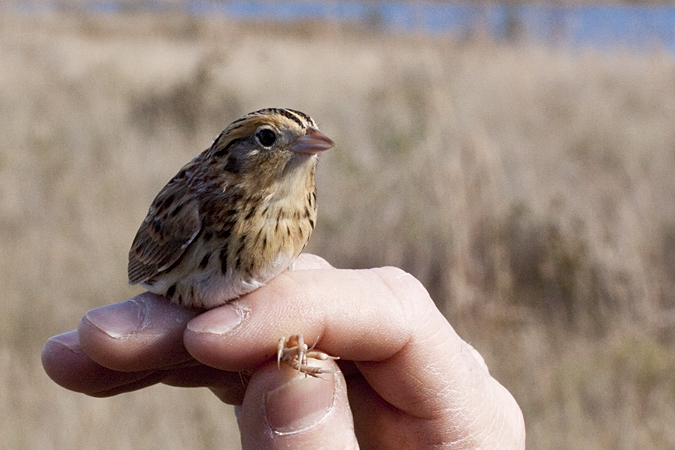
235,216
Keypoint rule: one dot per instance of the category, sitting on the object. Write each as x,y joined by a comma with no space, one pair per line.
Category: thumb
283,409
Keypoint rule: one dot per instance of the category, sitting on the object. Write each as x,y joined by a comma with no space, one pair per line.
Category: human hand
405,375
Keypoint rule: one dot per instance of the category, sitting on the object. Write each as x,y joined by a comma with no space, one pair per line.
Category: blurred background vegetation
529,187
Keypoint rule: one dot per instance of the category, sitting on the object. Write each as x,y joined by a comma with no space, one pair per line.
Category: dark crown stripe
308,120
294,116
301,119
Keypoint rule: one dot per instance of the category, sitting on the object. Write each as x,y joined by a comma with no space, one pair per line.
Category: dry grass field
531,190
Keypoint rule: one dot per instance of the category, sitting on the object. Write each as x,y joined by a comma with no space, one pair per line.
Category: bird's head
269,146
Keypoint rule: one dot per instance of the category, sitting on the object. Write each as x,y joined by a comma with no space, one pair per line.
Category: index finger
383,319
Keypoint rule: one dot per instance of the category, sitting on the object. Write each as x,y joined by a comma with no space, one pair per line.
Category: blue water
637,27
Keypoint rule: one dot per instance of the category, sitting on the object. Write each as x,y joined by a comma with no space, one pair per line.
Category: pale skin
405,378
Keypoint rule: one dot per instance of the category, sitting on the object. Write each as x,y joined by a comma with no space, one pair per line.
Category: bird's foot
294,352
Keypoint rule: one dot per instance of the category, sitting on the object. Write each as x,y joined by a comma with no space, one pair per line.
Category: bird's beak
312,142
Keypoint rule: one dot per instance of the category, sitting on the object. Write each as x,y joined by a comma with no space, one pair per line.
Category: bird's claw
294,352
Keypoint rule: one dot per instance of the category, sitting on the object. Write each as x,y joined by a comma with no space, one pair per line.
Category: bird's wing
172,223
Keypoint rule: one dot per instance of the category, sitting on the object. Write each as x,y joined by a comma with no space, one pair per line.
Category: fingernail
68,340
118,320
219,320
300,403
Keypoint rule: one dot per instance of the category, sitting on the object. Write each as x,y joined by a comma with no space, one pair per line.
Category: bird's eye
266,137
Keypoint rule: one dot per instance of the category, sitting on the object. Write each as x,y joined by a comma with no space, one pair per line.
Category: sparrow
235,217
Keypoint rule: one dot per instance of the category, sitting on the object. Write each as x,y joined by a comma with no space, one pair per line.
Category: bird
235,217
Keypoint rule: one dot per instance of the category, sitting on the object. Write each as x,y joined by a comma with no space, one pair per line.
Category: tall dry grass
530,189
